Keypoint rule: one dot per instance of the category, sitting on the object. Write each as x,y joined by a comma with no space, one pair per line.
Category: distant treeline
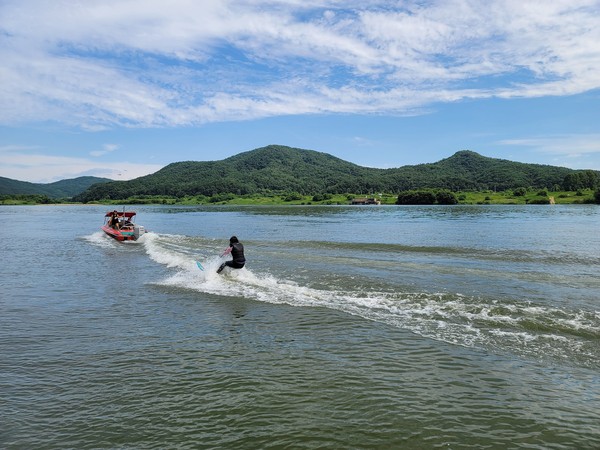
427,197
59,189
581,179
516,196
411,197
34,199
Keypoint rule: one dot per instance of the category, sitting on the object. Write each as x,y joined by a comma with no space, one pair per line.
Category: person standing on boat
114,220
236,249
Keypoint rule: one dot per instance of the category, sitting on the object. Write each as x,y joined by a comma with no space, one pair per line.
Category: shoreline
531,197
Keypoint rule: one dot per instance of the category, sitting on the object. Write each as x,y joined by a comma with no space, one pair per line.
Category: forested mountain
269,169
275,168
467,170
59,189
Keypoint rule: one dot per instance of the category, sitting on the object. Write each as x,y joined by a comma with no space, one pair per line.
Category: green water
359,327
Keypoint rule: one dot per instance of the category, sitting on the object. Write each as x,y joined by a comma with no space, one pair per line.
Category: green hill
268,169
59,189
467,170
280,169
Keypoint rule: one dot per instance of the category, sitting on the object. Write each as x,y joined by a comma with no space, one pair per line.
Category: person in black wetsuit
114,220
237,252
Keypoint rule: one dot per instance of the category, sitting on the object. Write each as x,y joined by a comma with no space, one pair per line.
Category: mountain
467,170
280,169
59,189
269,169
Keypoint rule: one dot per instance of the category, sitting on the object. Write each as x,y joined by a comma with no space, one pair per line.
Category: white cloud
139,63
28,164
576,151
107,148
566,145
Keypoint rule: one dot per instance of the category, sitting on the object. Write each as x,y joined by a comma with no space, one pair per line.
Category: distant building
365,201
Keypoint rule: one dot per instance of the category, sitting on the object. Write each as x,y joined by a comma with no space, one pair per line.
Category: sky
122,88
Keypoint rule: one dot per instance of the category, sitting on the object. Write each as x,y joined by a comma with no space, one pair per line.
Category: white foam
452,318
100,239
163,255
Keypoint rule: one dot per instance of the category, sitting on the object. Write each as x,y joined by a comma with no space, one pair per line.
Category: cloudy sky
121,88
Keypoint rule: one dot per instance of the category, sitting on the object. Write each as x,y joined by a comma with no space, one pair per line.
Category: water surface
350,327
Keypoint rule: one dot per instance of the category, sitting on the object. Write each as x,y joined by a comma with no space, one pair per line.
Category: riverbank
584,196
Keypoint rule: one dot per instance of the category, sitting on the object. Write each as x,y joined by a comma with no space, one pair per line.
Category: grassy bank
464,198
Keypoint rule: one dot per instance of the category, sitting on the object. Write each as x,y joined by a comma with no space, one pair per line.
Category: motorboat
121,226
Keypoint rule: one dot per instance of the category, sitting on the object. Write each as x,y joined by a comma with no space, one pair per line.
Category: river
350,327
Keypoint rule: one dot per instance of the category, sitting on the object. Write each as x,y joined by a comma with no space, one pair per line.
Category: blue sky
121,88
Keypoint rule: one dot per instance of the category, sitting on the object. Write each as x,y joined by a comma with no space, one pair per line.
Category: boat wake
526,328
101,239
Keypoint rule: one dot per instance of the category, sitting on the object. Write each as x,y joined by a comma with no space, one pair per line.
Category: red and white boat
121,226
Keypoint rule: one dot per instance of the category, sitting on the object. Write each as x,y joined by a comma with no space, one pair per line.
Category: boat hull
119,235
